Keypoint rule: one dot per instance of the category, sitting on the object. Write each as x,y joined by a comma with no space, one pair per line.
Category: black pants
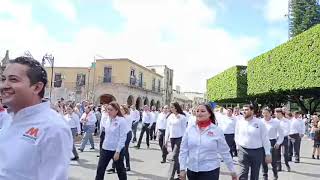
175,145
145,128
153,131
101,139
295,143
206,175
285,146
126,148
161,145
232,144
134,129
250,158
105,157
274,160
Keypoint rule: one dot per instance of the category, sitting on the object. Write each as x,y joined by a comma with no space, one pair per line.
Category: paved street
146,165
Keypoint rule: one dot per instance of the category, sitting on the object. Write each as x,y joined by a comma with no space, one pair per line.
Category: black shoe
317,157
137,147
81,150
163,161
313,157
75,158
92,148
128,169
275,178
279,169
98,155
288,168
297,161
111,171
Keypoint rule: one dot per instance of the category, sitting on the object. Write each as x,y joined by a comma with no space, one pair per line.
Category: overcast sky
196,38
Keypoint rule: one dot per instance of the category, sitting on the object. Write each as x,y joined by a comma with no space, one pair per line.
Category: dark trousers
161,145
101,139
274,160
134,129
250,158
153,131
126,148
285,146
175,145
105,157
74,150
295,143
232,144
145,128
205,175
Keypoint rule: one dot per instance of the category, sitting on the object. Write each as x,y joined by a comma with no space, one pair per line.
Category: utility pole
50,59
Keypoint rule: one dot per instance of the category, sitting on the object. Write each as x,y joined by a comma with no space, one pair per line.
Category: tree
303,14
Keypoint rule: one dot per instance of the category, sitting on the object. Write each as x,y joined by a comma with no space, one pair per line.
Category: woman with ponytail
201,146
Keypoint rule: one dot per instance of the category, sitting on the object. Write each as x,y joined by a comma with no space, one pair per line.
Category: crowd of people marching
32,131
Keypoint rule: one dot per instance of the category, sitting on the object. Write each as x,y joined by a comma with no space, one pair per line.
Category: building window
140,79
57,80
133,78
159,85
107,74
81,80
154,84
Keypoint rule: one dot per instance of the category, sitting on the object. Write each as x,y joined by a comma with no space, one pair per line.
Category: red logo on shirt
32,133
210,133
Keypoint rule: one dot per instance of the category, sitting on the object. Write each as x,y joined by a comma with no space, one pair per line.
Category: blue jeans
88,131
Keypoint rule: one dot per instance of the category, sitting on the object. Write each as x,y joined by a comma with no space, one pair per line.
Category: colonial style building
196,97
122,80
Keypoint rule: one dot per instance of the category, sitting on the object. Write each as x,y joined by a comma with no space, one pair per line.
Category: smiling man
37,143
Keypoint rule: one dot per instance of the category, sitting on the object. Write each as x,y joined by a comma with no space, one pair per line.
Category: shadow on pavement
147,176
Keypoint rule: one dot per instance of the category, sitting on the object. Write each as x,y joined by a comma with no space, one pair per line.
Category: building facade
167,81
106,80
196,97
179,97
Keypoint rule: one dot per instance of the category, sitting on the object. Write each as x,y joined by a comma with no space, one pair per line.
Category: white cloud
276,10
66,8
194,50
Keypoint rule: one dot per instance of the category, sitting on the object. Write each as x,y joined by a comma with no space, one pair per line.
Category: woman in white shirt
201,146
176,126
126,113
114,143
88,119
74,122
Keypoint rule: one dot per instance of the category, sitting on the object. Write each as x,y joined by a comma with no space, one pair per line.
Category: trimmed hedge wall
228,85
294,65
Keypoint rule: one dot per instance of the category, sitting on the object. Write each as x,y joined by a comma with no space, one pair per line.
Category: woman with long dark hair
176,126
114,143
201,146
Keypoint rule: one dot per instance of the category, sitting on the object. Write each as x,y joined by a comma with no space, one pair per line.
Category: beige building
179,97
108,79
166,83
196,97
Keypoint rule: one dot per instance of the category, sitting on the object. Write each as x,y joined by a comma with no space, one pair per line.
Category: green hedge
294,65
228,85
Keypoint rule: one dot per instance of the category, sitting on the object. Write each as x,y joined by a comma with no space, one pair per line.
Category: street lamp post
50,59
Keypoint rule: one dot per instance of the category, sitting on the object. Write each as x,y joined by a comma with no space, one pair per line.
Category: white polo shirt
36,146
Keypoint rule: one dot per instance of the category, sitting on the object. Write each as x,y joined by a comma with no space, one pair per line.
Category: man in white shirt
146,125
227,123
297,130
161,130
38,142
154,115
252,140
135,115
285,126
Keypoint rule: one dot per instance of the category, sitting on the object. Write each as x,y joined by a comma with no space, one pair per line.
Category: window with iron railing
107,74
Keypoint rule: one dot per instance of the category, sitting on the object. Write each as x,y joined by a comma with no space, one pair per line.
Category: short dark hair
36,73
230,108
267,109
250,106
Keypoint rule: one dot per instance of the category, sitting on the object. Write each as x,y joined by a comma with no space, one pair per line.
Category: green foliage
303,15
292,66
228,85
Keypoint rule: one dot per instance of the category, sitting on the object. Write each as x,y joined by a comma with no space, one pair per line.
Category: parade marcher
114,143
146,125
88,120
126,113
252,140
176,127
74,124
154,115
285,126
161,126
227,124
192,118
297,130
275,135
201,146
103,122
5,118
135,115
38,142
316,143
98,116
